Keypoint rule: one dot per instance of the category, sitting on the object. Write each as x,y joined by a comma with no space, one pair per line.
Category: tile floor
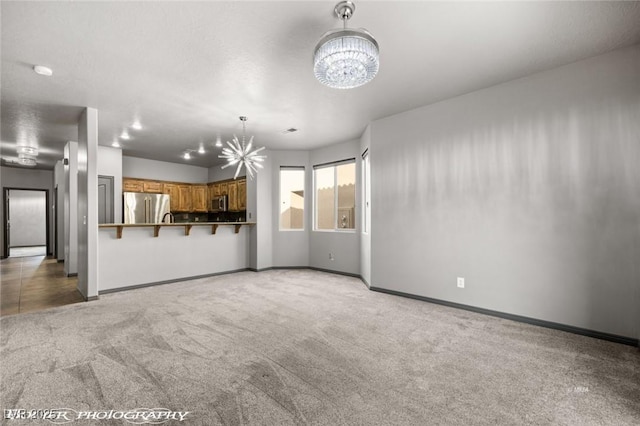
34,283
27,251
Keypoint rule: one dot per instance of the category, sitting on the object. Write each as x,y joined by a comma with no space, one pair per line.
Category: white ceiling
188,70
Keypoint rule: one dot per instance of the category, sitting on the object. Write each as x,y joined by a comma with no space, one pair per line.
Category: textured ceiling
188,70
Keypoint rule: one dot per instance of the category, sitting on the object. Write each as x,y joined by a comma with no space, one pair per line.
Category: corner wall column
88,204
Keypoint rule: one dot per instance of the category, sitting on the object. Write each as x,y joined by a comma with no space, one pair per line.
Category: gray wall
71,209
344,245
28,214
259,210
217,173
161,170
291,247
88,203
365,238
530,190
58,182
14,177
110,164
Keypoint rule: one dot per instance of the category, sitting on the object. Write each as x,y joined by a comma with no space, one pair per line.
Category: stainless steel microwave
219,204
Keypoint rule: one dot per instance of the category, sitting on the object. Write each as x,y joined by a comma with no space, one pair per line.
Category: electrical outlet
460,282
331,256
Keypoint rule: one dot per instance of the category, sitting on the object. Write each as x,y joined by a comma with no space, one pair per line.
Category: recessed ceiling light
42,70
219,143
136,125
125,135
201,150
27,150
115,144
187,156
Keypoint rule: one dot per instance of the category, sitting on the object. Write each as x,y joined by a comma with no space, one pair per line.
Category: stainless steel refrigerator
145,208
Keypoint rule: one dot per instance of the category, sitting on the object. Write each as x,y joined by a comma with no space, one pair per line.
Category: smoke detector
42,70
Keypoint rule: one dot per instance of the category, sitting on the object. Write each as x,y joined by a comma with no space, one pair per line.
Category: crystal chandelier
27,155
240,153
346,58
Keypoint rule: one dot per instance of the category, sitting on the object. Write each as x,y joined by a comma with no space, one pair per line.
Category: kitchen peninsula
147,254
196,238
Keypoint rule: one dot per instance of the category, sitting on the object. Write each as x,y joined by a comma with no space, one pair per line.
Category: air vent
289,130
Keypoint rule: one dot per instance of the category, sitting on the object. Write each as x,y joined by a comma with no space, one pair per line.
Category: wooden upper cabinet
132,185
184,195
179,196
141,185
224,188
232,187
242,194
199,197
153,187
210,195
174,196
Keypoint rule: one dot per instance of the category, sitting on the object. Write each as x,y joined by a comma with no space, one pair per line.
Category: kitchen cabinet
184,198
152,187
210,195
174,196
132,185
141,185
180,196
232,187
242,194
199,197
224,188
196,198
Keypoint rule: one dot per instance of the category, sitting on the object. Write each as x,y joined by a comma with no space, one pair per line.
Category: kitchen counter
131,257
186,225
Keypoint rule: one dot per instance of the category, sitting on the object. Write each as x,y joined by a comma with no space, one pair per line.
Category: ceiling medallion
240,153
346,58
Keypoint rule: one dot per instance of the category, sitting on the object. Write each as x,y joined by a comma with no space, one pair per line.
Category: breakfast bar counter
135,255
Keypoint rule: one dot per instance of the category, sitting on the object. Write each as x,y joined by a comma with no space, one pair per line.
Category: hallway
33,284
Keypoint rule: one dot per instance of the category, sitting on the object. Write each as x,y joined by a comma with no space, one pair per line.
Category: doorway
26,222
105,199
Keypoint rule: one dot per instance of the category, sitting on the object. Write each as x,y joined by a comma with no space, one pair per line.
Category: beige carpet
305,347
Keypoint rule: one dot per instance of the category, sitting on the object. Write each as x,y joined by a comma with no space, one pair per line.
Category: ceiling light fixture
42,70
136,125
346,58
240,153
26,160
218,142
27,150
125,135
201,150
115,144
187,155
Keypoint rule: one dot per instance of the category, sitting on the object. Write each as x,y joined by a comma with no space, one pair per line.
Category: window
335,195
291,198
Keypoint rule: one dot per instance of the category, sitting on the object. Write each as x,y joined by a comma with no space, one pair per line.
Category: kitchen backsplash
191,217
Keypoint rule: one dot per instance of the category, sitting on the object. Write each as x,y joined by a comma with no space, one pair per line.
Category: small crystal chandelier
240,153
27,155
346,58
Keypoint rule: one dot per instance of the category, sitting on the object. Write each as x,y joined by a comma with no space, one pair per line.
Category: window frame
335,165
366,192
304,177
